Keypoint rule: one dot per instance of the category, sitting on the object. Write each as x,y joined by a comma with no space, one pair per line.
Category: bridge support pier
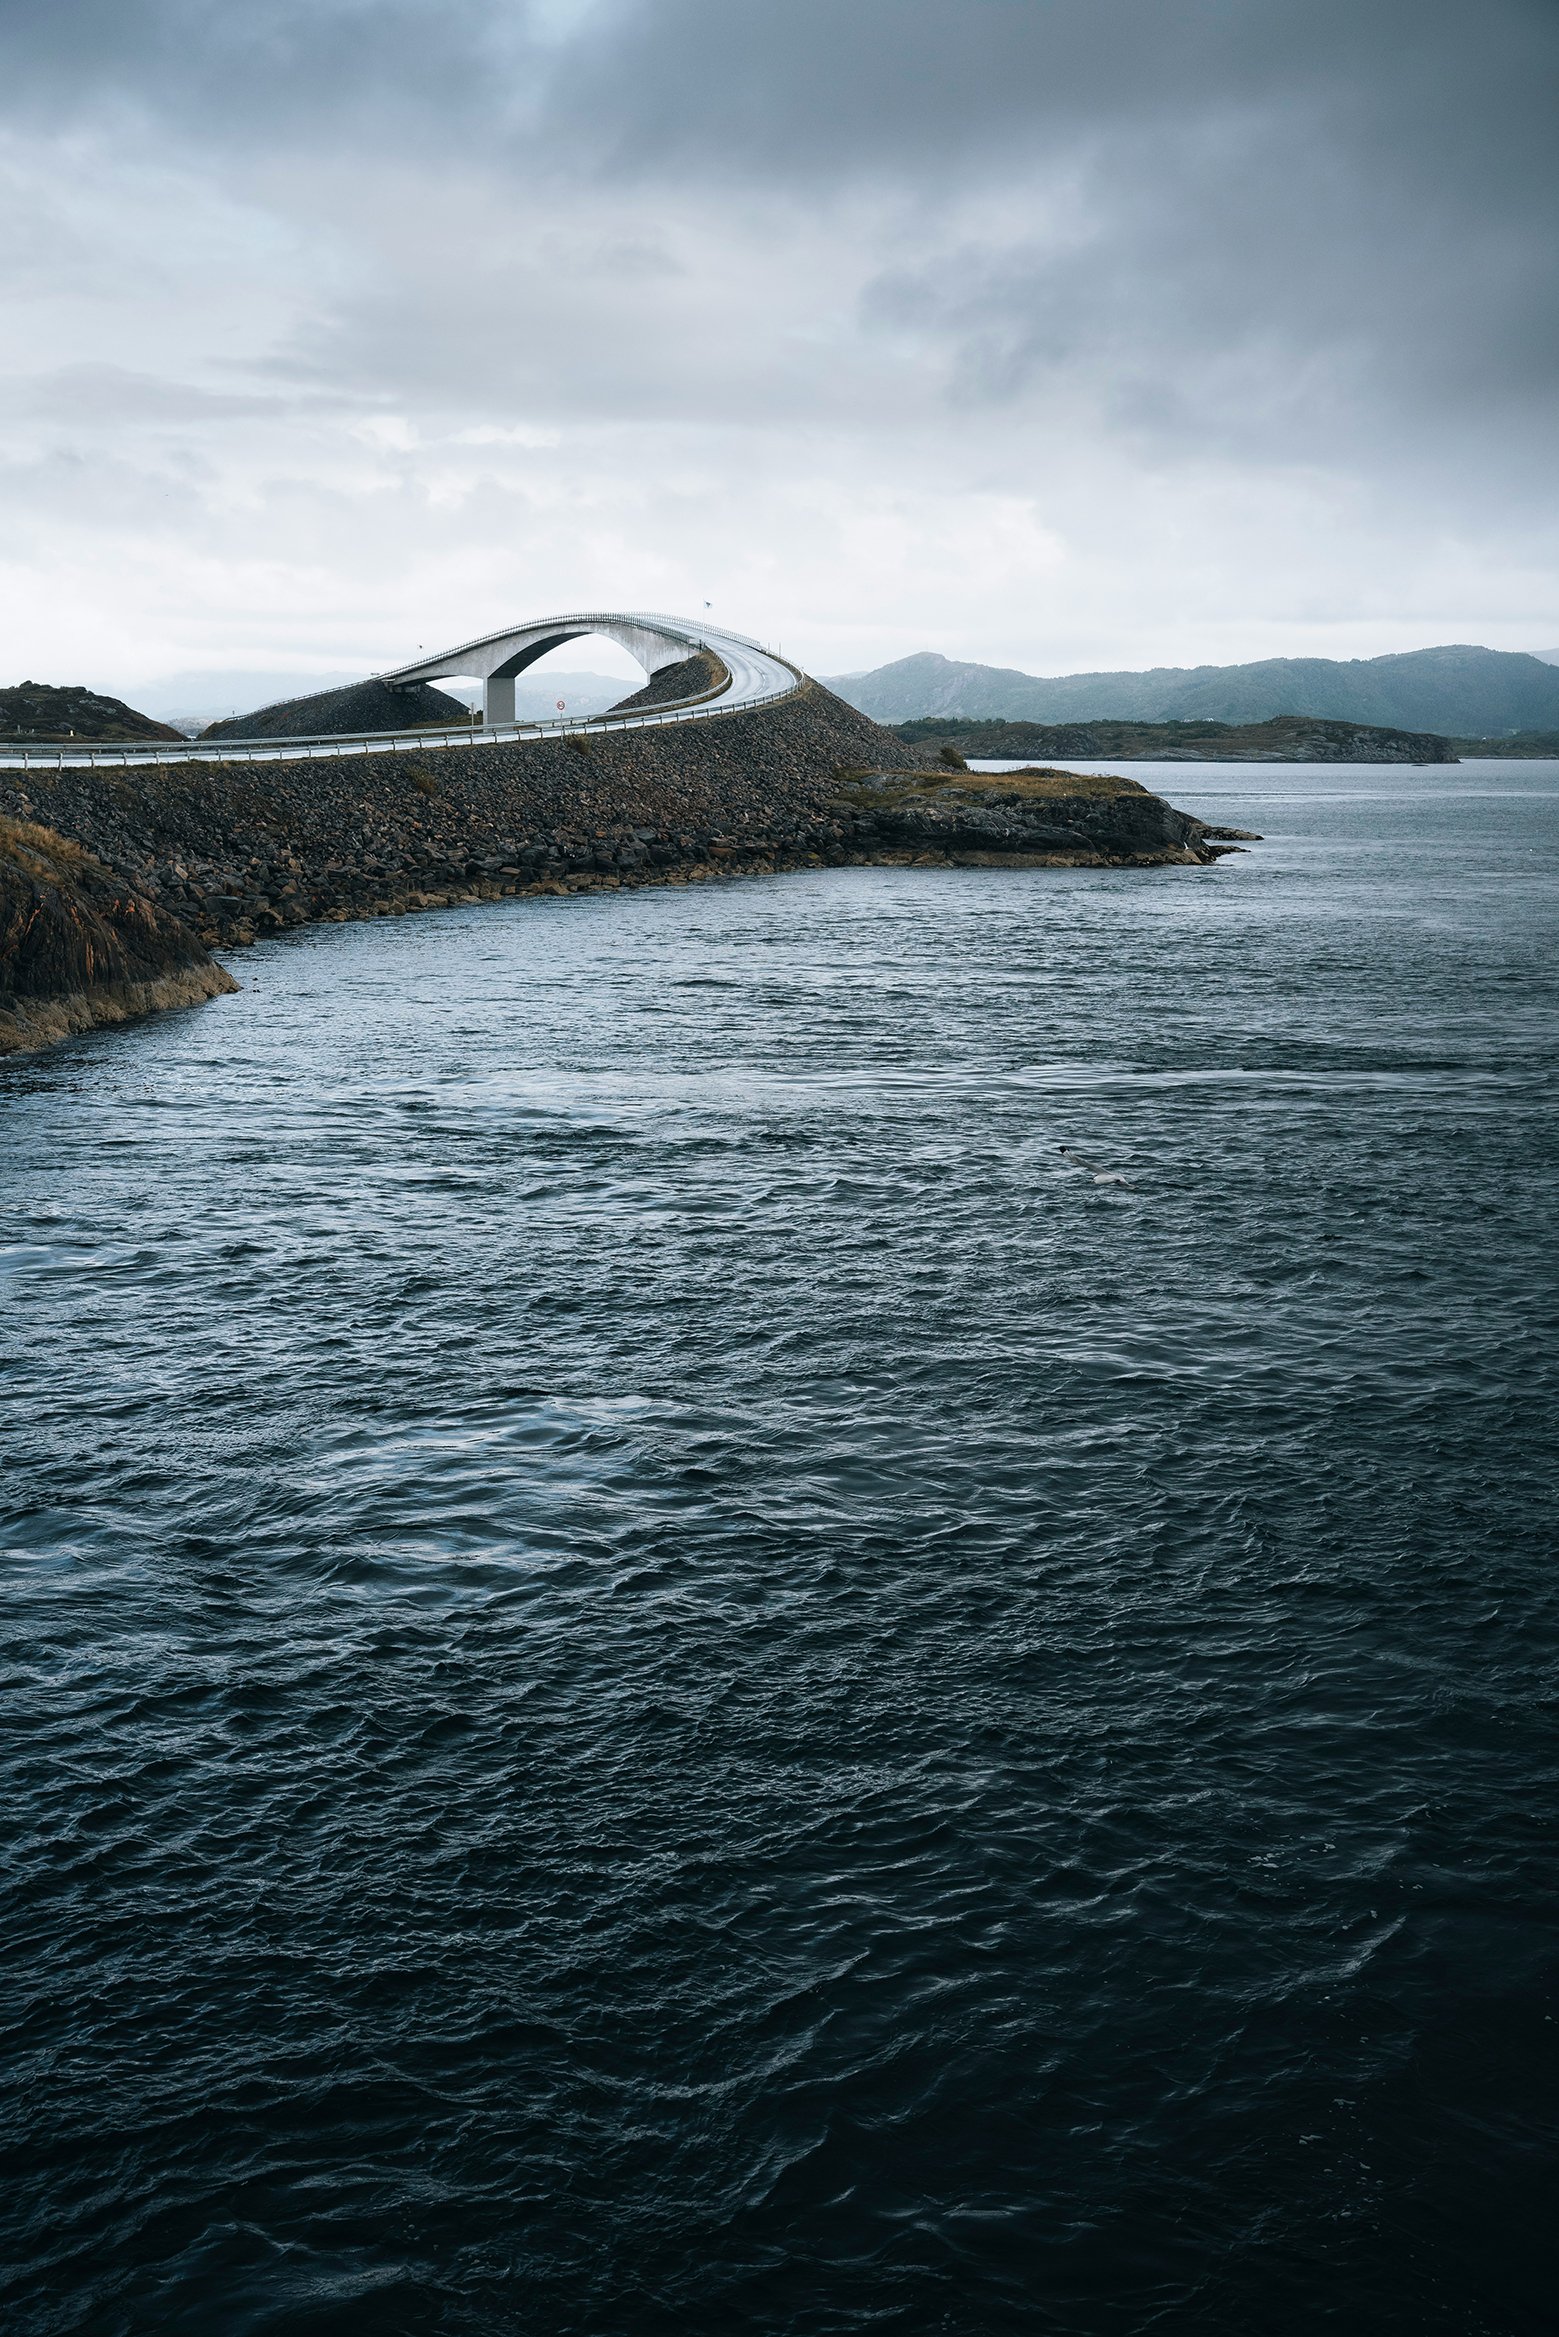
498,699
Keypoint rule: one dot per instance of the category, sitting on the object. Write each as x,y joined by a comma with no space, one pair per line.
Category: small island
1283,738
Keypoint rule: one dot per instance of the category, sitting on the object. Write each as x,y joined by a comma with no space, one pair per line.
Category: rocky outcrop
1035,818
226,853
36,713
79,947
1287,738
361,706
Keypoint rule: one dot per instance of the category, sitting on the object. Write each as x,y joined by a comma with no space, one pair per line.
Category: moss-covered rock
78,947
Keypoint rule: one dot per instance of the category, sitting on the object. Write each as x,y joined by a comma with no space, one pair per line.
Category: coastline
209,856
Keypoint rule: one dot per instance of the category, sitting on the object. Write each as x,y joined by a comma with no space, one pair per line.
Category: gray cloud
1366,196
1374,182
1141,270
276,70
113,397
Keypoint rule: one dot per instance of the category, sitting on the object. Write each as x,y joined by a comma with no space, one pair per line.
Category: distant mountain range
1463,690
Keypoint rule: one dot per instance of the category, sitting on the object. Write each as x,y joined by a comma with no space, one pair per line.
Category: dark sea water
662,1678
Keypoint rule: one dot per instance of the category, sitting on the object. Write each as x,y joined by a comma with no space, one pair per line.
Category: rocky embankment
78,946
1287,738
226,853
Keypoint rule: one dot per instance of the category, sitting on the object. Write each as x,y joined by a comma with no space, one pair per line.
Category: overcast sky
1059,333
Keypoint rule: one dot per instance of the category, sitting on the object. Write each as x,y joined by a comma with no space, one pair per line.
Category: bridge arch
497,658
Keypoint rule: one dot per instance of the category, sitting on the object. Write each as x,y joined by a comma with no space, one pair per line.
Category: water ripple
663,1676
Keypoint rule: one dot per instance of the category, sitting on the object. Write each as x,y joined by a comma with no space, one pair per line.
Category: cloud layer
1060,332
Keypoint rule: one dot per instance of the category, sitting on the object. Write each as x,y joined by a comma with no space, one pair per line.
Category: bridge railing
65,755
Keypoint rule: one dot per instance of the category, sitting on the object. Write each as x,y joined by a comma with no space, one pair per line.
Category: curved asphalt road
757,678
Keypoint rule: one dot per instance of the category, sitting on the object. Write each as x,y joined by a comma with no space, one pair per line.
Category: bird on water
1100,1176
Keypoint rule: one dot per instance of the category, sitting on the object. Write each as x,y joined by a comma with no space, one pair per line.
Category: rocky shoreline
219,855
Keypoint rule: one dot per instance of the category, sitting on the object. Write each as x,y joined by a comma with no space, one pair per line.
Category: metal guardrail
126,756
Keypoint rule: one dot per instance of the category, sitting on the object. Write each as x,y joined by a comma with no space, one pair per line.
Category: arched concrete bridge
652,642
754,677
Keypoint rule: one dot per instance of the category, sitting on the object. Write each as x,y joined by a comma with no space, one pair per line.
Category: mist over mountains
1460,689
